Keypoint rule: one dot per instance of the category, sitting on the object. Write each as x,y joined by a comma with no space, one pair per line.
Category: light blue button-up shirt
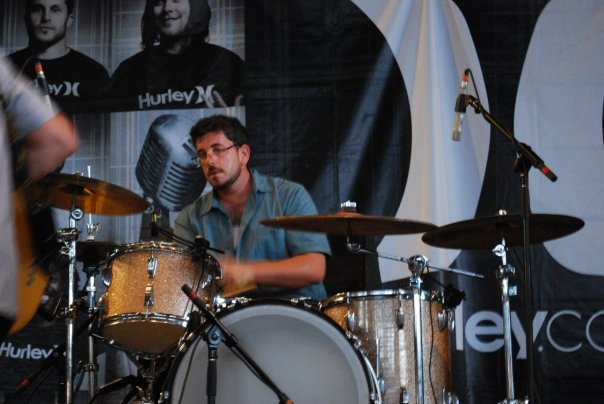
270,197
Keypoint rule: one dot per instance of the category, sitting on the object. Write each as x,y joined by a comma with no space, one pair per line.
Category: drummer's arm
49,145
292,272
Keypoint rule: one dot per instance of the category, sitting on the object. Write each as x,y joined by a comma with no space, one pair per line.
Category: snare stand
91,268
503,274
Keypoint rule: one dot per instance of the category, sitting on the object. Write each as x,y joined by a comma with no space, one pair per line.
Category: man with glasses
279,263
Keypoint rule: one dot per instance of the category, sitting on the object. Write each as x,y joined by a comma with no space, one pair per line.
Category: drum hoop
131,317
407,294
238,303
148,318
149,245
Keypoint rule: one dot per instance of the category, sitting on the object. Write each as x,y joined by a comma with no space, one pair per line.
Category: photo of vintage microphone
166,171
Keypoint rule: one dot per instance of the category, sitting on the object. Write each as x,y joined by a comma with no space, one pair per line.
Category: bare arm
49,145
293,272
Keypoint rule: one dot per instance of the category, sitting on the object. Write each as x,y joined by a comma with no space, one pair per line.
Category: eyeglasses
217,151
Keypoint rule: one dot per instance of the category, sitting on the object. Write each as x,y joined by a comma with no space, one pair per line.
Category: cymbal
91,195
347,223
91,250
486,232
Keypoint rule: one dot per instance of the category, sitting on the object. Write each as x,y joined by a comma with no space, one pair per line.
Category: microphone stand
527,158
213,337
56,354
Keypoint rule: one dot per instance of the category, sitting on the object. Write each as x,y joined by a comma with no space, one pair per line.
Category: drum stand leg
90,368
69,237
503,274
416,265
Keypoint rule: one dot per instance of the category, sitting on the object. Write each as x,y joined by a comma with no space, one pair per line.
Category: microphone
194,298
41,83
460,106
57,353
165,169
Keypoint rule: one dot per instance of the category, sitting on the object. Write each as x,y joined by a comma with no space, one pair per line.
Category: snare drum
144,309
307,356
384,322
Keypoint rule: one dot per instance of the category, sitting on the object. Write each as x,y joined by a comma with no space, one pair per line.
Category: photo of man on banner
177,68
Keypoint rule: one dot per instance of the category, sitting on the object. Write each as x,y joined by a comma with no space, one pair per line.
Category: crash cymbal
95,251
346,223
91,195
486,232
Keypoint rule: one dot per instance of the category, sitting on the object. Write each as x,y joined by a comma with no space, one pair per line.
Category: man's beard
228,182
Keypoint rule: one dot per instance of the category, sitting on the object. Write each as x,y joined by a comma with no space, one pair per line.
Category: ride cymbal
486,232
65,191
347,223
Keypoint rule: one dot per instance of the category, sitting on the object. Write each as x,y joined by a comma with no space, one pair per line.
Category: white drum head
303,352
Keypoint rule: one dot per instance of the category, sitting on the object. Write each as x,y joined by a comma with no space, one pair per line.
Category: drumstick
233,290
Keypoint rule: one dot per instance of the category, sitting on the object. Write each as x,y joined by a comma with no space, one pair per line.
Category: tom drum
144,309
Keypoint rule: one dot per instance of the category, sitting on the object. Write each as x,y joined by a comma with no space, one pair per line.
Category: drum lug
149,295
449,398
400,318
441,320
382,385
351,321
404,396
151,267
451,320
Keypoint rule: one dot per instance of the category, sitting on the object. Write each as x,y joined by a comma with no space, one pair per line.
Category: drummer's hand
235,275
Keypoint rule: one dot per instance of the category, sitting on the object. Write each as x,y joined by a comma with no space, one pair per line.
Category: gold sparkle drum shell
143,309
384,323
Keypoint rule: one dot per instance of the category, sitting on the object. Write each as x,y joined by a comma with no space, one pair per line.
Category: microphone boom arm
522,149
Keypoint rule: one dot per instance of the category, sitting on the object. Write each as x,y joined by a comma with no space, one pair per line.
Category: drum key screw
151,267
149,295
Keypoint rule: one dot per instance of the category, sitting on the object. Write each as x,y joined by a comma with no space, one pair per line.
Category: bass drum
304,353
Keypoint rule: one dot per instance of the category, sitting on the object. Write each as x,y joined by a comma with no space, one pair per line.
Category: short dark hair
233,129
68,3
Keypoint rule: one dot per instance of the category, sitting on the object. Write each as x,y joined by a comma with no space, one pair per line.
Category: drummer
261,261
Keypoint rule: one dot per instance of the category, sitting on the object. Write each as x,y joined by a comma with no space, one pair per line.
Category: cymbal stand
91,367
417,264
69,237
503,274
357,249
91,269
527,158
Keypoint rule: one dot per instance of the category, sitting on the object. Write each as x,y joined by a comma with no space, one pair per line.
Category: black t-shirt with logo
203,76
75,81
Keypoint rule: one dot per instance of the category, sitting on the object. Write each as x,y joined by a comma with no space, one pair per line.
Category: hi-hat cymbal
91,195
94,251
486,232
346,223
